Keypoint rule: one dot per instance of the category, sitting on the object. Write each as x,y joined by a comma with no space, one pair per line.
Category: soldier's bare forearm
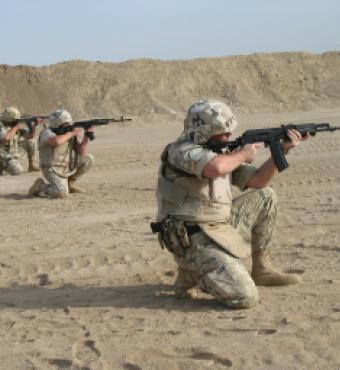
222,164
263,175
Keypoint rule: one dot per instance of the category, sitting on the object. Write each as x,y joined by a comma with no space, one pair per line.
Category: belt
156,227
192,229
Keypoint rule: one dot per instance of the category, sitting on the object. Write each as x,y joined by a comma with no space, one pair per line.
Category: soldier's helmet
59,117
207,118
10,114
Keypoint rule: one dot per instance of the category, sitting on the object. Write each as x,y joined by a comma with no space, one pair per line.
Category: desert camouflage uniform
54,162
253,214
10,152
183,194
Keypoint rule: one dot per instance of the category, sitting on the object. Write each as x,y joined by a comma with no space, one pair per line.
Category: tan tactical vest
194,199
206,202
62,159
12,146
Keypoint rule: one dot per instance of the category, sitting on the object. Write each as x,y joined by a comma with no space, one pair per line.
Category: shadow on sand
16,196
157,296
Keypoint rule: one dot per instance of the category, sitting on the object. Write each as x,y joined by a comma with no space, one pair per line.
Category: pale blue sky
42,32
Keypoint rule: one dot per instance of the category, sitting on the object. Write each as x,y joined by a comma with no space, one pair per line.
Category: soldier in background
200,223
15,138
63,158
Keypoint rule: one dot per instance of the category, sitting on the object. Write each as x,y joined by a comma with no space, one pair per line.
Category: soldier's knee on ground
243,294
14,168
56,193
248,300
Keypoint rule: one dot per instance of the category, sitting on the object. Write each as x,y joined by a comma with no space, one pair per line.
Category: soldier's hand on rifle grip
249,151
76,131
295,139
20,126
89,133
38,121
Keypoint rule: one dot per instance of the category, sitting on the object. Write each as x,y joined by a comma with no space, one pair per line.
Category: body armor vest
191,198
62,159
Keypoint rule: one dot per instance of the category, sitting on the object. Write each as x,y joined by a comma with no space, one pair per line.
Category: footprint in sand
130,366
43,280
239,317
295,271
211,358
85,353
61,363
266,331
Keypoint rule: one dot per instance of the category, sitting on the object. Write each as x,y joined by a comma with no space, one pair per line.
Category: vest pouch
182,234
174,236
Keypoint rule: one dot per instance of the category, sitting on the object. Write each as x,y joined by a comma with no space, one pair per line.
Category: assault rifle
272,137
28,120
87,124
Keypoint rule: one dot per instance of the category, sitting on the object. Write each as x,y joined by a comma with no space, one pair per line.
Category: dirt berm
251,83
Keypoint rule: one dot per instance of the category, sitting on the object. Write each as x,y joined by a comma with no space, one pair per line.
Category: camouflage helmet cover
207,118
59,117
10,114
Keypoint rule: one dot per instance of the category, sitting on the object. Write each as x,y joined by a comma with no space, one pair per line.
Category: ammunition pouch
174,235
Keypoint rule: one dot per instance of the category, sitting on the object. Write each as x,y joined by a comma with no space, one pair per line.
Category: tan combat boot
73,188
32,165
263,273
37,187
184,283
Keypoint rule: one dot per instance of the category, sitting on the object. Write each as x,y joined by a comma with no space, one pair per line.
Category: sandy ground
84,284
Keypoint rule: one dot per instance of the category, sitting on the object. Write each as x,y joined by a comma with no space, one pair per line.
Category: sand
84,284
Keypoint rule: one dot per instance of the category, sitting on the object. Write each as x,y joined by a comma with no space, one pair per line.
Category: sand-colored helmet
10,114
207,118
59,117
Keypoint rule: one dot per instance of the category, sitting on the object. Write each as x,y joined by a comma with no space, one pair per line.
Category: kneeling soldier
15,135
63,158
201,224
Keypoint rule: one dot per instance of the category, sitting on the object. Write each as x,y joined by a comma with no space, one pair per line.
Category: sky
44,32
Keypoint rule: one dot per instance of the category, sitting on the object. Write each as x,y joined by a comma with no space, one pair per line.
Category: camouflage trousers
10,162
58,186
220,274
